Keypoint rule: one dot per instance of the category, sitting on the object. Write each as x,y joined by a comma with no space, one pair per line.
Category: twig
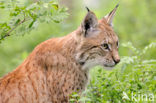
8,34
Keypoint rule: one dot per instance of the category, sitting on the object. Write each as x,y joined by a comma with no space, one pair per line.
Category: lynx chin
59,66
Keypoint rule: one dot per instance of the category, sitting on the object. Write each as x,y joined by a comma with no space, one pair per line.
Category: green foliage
24,16
133,76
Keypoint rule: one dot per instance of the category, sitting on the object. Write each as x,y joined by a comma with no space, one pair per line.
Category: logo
138,96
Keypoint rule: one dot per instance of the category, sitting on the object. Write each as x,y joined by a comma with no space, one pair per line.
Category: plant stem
8,34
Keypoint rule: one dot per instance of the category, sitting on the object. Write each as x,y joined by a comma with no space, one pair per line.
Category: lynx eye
105,46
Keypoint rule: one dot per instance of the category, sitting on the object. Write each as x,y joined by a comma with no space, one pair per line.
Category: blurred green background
134,22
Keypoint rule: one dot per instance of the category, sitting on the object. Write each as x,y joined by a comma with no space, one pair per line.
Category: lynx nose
117,61
116,57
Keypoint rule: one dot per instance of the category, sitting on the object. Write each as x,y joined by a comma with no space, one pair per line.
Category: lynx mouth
109,65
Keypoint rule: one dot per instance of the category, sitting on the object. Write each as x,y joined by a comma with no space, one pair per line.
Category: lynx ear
89,23
109,17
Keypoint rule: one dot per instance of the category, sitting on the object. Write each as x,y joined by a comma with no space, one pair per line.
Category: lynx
59,66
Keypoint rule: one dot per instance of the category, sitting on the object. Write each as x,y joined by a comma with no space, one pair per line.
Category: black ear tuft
87,9
109,17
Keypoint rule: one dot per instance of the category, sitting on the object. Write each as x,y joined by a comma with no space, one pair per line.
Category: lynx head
97,41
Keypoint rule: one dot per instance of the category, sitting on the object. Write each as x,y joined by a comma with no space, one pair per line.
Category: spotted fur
59,66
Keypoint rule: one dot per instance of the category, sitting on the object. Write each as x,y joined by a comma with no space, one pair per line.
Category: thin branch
8,34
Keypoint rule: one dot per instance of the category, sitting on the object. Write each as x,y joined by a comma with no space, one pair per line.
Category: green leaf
17,22
54,5
31,24
2,5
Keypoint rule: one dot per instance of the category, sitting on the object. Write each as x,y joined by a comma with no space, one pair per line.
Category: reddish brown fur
51,72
